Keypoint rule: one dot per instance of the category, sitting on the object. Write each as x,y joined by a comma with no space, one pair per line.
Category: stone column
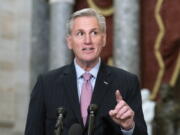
60,11
126,35
40,39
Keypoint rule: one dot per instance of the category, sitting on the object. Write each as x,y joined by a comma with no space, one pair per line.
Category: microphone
59,123
75,129
92,113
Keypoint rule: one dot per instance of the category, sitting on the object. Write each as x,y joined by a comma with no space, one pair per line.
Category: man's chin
90,61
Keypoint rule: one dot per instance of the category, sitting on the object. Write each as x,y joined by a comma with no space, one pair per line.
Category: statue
148,107
167,113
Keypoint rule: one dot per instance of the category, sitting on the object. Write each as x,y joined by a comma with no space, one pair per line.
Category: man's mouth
88,49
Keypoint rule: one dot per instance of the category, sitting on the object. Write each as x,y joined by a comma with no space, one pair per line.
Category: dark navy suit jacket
58,88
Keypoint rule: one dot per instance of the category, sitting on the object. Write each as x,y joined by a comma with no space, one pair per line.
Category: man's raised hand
122,114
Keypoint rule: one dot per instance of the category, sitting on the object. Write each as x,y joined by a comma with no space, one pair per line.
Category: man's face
86,40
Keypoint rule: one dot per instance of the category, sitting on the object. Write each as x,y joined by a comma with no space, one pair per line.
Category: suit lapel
101,85
70,84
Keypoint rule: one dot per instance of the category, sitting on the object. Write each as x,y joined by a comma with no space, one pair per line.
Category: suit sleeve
135,102
35,123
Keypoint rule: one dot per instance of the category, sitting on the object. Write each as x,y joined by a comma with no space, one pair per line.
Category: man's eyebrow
80,29
95,29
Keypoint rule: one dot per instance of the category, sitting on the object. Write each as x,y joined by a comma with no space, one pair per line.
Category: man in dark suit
115,91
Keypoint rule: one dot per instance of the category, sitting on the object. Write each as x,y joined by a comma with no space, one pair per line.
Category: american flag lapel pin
106,83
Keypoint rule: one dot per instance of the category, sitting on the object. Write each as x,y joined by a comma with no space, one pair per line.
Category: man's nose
88,39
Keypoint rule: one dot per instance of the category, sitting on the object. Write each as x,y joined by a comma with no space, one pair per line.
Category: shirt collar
93,71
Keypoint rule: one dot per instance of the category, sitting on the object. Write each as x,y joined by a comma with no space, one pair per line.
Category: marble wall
14,65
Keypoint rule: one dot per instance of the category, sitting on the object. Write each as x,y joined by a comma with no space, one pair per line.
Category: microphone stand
59,123
92,113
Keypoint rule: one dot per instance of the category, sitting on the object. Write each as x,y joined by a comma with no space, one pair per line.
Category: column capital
64,1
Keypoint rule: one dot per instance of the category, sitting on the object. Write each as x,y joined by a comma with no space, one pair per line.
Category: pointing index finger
118,96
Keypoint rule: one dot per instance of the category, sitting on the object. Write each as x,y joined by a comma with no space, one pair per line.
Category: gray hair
87,12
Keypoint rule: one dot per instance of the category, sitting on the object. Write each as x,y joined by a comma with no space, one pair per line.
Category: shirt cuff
128,132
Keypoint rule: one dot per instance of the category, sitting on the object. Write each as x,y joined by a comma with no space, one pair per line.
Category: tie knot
87,76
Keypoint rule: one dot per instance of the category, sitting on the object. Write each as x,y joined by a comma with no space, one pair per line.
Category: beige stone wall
15,23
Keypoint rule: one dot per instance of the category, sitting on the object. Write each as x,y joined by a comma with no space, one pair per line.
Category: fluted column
39,39
60,11
126,35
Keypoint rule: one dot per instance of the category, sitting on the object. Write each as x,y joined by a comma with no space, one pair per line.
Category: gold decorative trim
104,11
175,73
157,49
110,61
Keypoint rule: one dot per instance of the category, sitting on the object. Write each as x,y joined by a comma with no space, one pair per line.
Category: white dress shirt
80,72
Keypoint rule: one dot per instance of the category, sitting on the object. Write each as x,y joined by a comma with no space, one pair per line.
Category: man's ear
68,39
104,40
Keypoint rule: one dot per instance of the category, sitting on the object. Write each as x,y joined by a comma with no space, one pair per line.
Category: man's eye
80,33
94,33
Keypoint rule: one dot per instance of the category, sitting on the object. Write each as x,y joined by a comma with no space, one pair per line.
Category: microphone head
92,108
61,110
75,129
